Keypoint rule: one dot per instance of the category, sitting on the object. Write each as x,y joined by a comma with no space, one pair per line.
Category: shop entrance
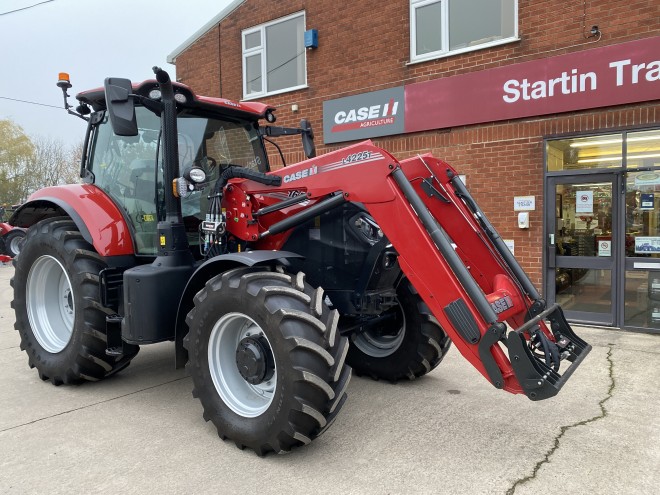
602,219
582,246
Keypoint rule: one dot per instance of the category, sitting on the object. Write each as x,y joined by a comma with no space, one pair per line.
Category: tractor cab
212,134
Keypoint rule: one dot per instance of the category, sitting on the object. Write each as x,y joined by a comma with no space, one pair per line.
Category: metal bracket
431,191
494,334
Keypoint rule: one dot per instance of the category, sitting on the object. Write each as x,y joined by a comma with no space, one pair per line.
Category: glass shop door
582,247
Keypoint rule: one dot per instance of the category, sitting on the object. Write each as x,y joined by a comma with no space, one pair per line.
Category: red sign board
600,77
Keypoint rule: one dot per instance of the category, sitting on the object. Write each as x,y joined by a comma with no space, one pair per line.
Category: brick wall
199,65
364,46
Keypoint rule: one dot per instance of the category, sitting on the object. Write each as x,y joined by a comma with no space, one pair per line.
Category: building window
446,27
274,57
642,150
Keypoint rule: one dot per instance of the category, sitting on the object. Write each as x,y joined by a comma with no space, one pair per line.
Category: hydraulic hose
235,172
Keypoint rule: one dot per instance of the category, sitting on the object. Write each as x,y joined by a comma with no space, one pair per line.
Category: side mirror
308,138
121,106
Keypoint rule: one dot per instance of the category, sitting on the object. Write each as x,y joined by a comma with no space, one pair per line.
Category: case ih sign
379,113
600,77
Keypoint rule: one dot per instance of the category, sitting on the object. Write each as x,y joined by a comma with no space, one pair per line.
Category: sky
90,40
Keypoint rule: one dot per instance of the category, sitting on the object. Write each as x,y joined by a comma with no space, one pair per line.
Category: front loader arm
446,247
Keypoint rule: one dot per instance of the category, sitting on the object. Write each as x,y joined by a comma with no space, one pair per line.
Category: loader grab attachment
448,250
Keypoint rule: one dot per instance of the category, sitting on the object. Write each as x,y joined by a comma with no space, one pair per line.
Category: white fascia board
171,58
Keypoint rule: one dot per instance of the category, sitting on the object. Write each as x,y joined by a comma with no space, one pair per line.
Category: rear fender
99,220
205,272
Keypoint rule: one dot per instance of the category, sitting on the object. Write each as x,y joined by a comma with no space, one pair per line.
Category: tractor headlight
196,175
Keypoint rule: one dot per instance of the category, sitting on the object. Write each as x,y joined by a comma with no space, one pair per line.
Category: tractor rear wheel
266,359
408,344
58,312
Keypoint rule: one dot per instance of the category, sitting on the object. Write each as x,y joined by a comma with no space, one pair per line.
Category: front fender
205,272
99,220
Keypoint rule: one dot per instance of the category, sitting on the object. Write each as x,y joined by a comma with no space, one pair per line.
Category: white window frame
264,62
444,51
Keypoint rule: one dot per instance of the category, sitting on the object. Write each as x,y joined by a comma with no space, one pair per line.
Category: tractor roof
243,110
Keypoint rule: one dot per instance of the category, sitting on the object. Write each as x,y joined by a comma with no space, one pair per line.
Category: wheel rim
50,304
15,244
376,344
243,398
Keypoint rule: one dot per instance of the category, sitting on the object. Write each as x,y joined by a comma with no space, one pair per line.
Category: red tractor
272,284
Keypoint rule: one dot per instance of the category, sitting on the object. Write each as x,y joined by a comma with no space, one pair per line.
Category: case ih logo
363,116
301,174
373,116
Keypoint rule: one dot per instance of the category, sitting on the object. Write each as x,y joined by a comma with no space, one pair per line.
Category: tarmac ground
451,432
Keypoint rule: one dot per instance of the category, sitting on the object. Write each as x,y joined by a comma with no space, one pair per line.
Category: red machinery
271,283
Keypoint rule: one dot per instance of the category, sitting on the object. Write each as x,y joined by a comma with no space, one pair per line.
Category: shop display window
643,194
642,299
604,151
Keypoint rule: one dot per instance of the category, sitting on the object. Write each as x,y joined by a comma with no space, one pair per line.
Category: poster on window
646,202
584,202
604,248
647,179
647,244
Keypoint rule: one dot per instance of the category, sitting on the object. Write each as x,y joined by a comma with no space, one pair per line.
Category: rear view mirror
308,138
121,106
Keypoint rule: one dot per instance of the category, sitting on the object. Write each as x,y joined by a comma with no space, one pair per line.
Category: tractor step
111,281
115,346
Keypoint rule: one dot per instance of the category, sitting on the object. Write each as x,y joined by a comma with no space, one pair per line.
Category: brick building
549,109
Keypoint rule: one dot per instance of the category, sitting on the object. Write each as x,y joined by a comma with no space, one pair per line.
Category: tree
28,164
16,151
51,164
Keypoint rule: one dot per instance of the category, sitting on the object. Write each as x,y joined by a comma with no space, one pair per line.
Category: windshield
129,168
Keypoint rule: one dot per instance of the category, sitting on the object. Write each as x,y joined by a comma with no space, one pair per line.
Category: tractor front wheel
58,312
266,359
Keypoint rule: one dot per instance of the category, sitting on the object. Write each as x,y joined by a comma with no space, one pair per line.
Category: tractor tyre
14,241
408,345
59,316
266,359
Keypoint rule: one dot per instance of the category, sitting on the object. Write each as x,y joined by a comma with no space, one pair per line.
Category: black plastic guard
536,378
463,321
